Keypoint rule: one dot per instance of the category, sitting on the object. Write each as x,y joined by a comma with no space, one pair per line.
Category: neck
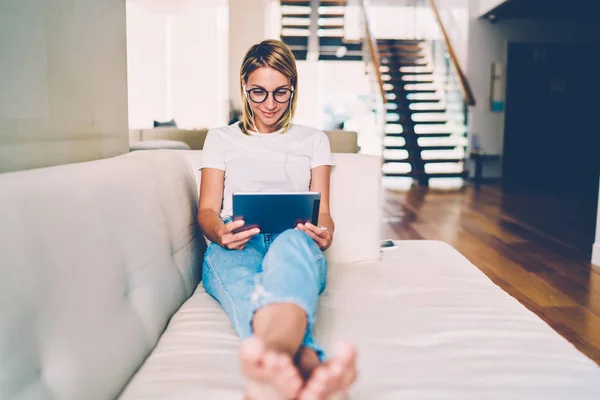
264,128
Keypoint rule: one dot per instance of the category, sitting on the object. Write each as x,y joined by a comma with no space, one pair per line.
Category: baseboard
596,255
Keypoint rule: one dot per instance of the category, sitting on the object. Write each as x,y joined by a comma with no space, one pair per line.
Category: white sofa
99,297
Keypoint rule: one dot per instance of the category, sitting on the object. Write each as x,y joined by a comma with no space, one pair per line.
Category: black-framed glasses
260,95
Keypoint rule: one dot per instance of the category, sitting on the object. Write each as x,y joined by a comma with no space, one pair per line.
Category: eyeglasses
259,95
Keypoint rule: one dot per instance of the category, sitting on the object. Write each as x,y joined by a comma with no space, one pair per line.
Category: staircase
425,133
329,25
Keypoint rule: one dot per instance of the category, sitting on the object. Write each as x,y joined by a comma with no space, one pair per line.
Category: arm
320,183
209,207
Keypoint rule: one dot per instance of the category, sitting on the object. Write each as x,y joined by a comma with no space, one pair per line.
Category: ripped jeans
284,268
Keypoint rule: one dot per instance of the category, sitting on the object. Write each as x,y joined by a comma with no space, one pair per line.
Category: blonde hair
272,54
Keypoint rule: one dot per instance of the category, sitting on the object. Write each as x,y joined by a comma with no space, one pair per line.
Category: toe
252,354
319,381
345,352
253,347
271,361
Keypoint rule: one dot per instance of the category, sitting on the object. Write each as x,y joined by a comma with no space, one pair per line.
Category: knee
293,236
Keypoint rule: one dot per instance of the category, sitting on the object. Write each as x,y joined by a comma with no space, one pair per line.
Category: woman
269,284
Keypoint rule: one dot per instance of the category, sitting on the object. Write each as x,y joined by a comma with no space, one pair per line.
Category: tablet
275,212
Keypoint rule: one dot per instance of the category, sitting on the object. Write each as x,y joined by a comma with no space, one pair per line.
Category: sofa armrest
355,208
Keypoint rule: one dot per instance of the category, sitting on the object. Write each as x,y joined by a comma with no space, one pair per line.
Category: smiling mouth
268,114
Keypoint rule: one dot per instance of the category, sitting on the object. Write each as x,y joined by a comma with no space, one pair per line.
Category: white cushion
343,141
95,259
158,145
428,325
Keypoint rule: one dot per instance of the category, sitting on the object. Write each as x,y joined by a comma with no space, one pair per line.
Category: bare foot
334,377
271,374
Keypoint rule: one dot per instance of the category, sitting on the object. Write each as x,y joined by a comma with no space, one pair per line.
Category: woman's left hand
320,235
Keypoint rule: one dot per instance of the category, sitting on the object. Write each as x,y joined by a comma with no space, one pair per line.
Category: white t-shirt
259,162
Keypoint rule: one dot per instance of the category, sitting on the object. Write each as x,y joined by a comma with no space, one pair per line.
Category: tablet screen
275,212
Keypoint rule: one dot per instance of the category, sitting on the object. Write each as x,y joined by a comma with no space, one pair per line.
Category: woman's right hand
235,241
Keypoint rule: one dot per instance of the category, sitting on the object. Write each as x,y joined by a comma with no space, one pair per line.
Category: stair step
403,63
421,85
396,80
407,71
400,41
395,89
416,70
333,52
428,142
431,129
427,108
289,27
406,134
295,14
403,47
332,26
421,97
300,54
337,26
430,111
424,101
295,40
432,161
295,3
420,148
402,55
336,42
332,15
418,116
332,10
393,128
414,174
331,57
306,3
405,121
414,78
331,3
431,122
331,33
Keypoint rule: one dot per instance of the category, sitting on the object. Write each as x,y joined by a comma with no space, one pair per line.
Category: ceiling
584,10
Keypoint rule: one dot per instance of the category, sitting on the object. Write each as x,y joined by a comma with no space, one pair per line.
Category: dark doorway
552,132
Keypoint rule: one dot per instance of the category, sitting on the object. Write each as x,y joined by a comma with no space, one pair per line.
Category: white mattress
428,325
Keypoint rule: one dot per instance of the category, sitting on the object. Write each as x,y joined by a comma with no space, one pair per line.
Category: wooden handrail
464,82
373,49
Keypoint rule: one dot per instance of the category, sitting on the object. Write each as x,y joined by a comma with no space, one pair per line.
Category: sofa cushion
95,259
343,141
194,138
428,325
158,145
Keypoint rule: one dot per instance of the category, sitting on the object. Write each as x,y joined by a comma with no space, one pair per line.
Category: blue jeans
284,268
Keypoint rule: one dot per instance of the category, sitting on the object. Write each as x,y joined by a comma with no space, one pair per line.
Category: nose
270,102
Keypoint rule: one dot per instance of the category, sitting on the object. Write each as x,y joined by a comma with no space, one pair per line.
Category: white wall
402,21
455,15
63,82
146,63
250,22
177,62
487,5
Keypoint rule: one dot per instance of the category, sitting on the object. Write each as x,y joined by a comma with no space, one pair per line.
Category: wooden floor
549,273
